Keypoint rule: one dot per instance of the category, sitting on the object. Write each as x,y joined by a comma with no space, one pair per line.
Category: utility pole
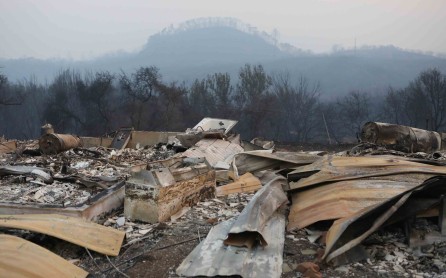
326,128
355,46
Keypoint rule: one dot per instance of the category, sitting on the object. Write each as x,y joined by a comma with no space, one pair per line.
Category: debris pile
160,202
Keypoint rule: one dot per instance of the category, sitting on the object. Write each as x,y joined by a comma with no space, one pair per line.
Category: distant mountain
203,46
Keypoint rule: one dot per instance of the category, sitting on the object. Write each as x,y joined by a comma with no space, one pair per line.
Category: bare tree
219,84
9,96
252,98
429,89
201,99
140,87
354,111
97,101
297,107
63,109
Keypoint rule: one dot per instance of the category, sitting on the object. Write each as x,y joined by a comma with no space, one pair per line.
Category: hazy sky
81,29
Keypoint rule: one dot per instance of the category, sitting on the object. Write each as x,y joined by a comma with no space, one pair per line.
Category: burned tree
8,96
252,97
140,87
297,107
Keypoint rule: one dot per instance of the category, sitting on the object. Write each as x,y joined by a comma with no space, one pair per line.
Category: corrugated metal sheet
211,257
21,258
336,168
348,232
214,150
342,199
254,161
250,224
93,236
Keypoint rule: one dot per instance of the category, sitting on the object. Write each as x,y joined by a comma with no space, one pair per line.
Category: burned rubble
205,203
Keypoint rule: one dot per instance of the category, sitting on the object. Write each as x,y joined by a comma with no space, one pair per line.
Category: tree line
266,105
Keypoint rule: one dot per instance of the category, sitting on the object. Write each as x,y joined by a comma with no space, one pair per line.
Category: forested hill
200,47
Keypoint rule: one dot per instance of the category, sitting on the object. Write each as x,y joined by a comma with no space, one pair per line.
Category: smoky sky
84,29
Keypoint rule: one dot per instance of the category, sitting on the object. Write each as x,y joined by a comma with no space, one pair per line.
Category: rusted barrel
53,143
401,138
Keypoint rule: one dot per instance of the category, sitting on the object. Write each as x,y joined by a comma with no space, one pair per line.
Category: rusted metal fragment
336,168
214,150
248,229
84,233
246,183
53,143
348,232
8,146
402,138
121,138
101,203
254,161
22,258
342,199
212,258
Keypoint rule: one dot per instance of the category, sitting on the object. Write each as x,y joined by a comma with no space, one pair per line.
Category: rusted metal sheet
402,138
21,258
246,183
53,143
336,168
212,258
214,150
8,146
341,199
253,161
105,201
87,234
248,229
348,232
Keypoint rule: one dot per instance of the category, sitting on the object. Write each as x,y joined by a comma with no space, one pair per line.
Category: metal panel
93,236
336,168
211,257
121,138
249,226
253,161
246,183
342,199
348,232
21,258
211,124
214,150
